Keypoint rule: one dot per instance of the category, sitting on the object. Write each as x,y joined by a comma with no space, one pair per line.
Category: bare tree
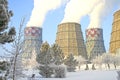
16,49
107,59
81,60
115,60
98,61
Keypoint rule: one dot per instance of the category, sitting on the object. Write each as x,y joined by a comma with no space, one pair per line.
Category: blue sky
23,8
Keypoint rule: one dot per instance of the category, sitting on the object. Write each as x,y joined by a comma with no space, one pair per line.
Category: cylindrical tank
70,39
115,35
94,42
32,40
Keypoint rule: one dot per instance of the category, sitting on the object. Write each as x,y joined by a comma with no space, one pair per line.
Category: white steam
100,11
96,9
41,8
95,16
76,9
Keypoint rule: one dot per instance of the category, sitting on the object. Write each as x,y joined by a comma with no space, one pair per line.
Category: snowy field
85,75
99,74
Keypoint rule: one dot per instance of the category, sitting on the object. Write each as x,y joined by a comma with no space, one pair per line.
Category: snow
92,75
85,75
99,74
89,75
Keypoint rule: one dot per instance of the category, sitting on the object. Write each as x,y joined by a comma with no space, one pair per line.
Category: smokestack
70,39
94,42
115,35
32,42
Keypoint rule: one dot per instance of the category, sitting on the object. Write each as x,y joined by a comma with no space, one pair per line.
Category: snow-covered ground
92,75
99,74
85,75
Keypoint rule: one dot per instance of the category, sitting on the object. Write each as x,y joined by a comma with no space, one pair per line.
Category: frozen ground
85,75
99,74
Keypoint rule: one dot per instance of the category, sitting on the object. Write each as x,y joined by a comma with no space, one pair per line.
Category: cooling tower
115,35
32,40
32,44
70,39
94,42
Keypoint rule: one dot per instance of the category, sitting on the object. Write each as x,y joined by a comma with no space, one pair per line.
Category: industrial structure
94,42
115,35
32,43
70,39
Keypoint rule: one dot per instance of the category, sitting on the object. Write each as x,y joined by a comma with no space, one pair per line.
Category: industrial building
115,35
70,39
94,42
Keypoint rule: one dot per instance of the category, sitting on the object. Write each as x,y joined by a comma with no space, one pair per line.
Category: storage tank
94,42
115,35
70,39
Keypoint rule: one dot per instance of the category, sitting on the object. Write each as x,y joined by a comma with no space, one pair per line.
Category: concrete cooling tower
32,40
94,42
32,44
70,39
115,35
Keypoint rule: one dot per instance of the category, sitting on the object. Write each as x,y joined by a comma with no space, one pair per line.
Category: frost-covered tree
50,60
97,61
46,71
43,51
5,15
107,59
16,51
58,55
58,60
116,60
60,71
45,59
71,63
81,60
42,57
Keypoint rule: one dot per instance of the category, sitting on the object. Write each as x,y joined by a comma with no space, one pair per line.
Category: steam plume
100,11
76,9
96,9
41,7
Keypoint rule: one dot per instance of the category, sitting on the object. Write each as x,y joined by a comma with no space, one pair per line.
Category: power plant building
70,39
94,42
115,35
